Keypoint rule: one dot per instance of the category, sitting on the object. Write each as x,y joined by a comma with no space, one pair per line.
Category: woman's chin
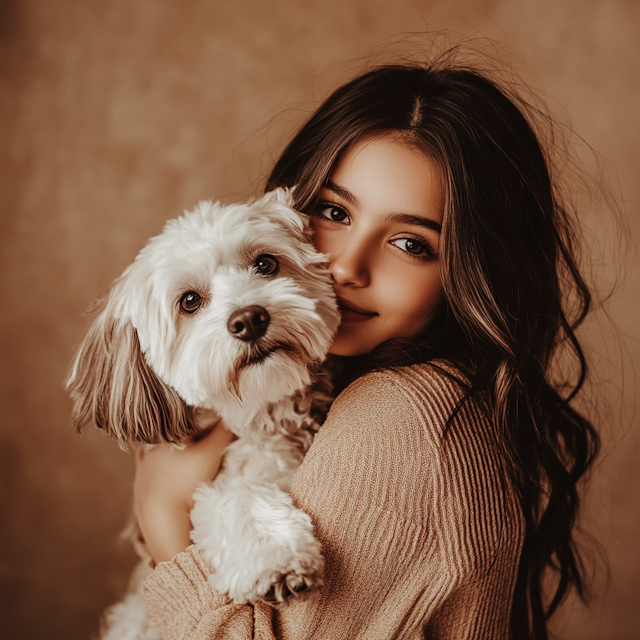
343,346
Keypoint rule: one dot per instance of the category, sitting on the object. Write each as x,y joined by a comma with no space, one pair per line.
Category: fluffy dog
230,308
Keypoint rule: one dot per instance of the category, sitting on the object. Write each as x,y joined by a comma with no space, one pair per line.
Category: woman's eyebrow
399,218
342,192
418,221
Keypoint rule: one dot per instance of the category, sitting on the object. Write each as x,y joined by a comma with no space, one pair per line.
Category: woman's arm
165,480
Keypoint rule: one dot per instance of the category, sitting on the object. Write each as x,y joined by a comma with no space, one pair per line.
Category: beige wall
117,115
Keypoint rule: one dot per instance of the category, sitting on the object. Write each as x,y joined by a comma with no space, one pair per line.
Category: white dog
230,308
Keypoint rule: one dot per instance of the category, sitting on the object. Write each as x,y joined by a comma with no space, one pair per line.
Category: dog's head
228,304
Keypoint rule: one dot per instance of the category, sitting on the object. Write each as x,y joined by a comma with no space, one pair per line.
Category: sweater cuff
178,594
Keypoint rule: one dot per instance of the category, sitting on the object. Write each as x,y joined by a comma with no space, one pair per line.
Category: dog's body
246,518
229,309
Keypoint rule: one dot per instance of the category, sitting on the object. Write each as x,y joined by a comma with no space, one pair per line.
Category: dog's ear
279,195
279,203
114,388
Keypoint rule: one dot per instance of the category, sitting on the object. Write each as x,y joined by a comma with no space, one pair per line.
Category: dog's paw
262,547
275,574
291,587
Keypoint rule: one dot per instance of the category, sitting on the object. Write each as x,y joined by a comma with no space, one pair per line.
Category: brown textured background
117,115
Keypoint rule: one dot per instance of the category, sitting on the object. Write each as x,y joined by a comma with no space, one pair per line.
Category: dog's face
228,304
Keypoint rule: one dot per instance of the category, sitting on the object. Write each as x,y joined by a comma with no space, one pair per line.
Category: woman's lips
352,313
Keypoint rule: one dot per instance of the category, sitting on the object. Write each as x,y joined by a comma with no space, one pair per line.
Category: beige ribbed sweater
420,529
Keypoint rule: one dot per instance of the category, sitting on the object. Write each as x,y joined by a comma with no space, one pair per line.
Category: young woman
443,485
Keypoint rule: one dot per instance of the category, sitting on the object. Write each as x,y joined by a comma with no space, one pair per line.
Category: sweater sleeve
405,526
182,605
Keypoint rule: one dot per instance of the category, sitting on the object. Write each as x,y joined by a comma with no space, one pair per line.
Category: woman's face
379,219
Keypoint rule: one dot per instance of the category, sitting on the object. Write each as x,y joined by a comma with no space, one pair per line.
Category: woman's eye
333,212
414,247
190,302
266,265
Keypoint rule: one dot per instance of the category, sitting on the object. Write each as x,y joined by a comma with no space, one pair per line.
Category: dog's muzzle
249,324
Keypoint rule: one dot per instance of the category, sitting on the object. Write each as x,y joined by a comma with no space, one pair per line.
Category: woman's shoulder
427,413
399,422
417,441
427,395
433,436
378,448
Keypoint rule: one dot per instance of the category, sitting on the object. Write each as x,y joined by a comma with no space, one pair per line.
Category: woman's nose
350,265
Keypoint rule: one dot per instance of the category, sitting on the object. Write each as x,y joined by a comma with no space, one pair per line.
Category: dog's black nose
249,324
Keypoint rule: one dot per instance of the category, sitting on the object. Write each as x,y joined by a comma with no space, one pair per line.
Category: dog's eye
190,302
266,265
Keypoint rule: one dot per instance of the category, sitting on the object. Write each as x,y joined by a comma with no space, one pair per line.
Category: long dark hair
513,294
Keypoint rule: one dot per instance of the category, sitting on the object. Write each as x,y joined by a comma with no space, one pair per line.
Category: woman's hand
165,480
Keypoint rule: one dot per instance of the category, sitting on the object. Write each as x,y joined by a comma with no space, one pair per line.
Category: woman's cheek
414,298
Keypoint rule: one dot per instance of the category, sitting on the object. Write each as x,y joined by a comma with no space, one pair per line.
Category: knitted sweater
420,528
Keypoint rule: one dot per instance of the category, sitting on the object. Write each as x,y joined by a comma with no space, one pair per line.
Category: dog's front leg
261,546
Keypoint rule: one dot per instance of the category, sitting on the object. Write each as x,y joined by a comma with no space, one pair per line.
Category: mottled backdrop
116,115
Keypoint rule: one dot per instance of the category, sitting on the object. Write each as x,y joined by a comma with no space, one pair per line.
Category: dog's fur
147,364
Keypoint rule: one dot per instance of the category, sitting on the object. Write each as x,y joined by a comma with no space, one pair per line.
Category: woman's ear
114,388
